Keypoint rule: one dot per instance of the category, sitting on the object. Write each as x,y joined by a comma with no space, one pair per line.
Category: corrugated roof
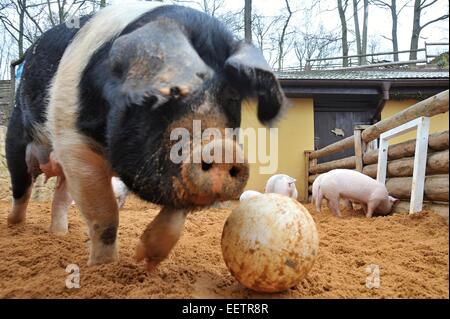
363,74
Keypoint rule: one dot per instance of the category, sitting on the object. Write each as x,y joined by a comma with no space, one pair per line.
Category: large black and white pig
101,100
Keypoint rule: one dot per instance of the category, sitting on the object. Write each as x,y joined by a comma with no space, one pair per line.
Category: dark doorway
335,118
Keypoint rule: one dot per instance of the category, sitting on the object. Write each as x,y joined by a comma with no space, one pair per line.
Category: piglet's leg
88,178
348,205
60,206
371,205
333,204
160,236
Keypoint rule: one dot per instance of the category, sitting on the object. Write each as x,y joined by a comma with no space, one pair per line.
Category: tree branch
444,17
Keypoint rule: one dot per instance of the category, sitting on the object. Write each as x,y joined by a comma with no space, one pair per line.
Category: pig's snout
218,171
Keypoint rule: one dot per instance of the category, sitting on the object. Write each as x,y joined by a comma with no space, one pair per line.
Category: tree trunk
357,31
283,36
248,21
437,163
436,187
394,16
416,30
432,106
364,33
61,11
344,31
436,142
22,7
347,162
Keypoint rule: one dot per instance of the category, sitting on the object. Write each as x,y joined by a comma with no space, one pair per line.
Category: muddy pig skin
357,187
126,94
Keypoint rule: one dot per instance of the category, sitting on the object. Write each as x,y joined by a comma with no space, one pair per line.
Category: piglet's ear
249,71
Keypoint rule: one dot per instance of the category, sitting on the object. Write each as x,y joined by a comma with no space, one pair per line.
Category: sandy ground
411,252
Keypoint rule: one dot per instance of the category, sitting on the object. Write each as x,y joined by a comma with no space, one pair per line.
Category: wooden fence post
358,150
306,180
360,146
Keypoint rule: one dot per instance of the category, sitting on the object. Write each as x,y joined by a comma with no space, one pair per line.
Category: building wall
295,135
438,123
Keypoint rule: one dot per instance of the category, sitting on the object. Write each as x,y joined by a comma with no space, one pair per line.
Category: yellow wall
438,123
295,135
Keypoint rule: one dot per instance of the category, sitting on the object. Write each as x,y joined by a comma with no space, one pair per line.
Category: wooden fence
5,97
400,156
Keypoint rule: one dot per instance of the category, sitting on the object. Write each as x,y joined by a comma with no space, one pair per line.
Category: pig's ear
249,71
154,64
393,200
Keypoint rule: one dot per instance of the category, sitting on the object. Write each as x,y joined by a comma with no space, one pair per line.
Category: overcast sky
326,14
379,20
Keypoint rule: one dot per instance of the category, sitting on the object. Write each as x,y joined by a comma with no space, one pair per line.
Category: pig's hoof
141,255
106,255
59,231
14,219
140,252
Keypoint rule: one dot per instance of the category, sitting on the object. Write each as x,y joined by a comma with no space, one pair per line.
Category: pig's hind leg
60,206
318,199
21,178
333,204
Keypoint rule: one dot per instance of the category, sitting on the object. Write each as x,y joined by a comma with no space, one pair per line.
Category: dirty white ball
270,243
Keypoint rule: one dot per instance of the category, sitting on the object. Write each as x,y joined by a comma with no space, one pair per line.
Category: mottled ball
270,243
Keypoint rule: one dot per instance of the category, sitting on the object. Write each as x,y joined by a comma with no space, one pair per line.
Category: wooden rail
400,156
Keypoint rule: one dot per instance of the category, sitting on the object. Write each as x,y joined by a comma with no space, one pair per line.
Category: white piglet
356,187
249,194
282,184
316,196
315,192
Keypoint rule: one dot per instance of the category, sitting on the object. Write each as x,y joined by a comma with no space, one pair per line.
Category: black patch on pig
109,235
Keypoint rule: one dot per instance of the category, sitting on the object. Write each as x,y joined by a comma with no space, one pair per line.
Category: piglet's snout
218,171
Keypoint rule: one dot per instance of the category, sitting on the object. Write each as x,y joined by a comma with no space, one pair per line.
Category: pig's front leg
160,236
88,178
371,205
60,206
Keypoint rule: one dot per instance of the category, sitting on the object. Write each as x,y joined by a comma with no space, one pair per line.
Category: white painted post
420,165
382,160
420,158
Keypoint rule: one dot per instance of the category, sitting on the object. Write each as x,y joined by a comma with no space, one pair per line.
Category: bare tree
391,5
282,37
365,27
342,8
248,21
262,26
420,5
314,45
23,21
210,7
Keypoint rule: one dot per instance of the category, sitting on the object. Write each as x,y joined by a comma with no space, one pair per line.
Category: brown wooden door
334,120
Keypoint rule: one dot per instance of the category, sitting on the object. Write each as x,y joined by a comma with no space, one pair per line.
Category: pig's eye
118,70
150,100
